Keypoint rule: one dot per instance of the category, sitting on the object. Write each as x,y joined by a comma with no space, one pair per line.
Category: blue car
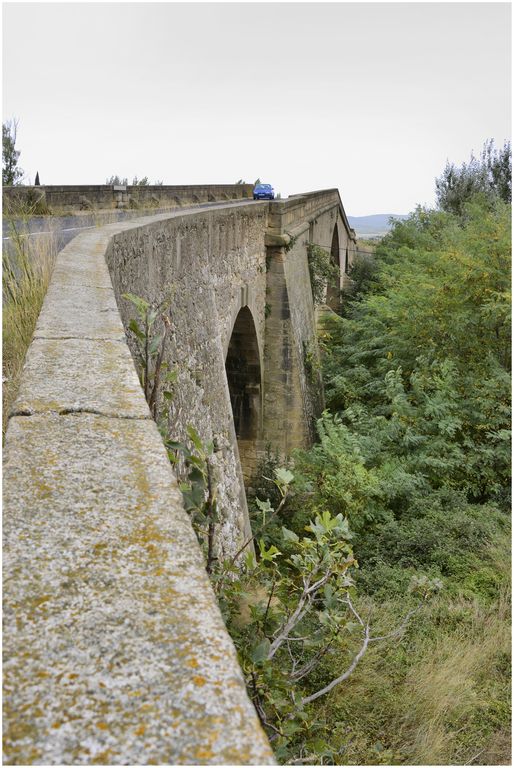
263,192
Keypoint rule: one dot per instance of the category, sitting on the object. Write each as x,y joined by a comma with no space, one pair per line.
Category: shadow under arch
243,369
333,289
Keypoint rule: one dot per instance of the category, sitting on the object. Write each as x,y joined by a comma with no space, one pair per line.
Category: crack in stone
83,285
78,412
81,338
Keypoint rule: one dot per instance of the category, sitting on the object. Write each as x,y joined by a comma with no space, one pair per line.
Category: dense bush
415,452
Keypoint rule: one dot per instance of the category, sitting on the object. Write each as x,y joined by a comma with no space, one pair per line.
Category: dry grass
452,689
27,268
440,697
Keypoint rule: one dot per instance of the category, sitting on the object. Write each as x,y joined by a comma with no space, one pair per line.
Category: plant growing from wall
311,361
199,491
322,271
150,346
292,242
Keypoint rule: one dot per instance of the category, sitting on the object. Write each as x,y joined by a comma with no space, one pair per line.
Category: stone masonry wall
209,266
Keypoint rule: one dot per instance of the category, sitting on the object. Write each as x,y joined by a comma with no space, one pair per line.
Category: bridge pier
284,424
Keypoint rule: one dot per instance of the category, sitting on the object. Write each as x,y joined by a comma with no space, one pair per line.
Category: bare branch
362,650
293,660
318,584
310,665
358,656
306,597
350,605
292,621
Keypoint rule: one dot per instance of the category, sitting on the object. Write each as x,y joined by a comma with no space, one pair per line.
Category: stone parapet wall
209,265
108,196
115,651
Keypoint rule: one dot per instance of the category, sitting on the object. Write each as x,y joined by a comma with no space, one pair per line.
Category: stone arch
333,290
244,377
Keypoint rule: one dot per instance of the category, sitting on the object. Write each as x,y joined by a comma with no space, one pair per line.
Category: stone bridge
114,648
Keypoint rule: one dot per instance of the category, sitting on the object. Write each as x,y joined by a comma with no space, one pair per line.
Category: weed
27,264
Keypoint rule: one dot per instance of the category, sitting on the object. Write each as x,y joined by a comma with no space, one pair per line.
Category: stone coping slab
80,312
74,375
114,648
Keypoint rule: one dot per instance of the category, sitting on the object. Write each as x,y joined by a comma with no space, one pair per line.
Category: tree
499,165
116,180
11,173
140,182
37,182
489,175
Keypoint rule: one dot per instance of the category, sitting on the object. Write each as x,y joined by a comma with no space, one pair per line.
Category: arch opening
333,289
242,366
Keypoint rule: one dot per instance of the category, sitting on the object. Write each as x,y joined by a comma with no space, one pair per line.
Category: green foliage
490,175
444,294
263,486
415,453
150,348
292,242
311,361
11,173
322,271
289,608
199,490
363,273
280,628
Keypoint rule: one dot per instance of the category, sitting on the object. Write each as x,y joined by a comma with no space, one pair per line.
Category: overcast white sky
371,98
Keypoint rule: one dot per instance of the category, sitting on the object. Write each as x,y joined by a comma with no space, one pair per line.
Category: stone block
87,312
76,375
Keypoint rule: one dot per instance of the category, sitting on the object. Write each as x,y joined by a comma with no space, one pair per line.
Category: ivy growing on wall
322,271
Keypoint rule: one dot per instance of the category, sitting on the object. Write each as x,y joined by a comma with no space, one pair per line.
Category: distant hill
375,225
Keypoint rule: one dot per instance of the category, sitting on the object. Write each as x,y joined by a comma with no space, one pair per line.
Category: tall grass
27,264
442,695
